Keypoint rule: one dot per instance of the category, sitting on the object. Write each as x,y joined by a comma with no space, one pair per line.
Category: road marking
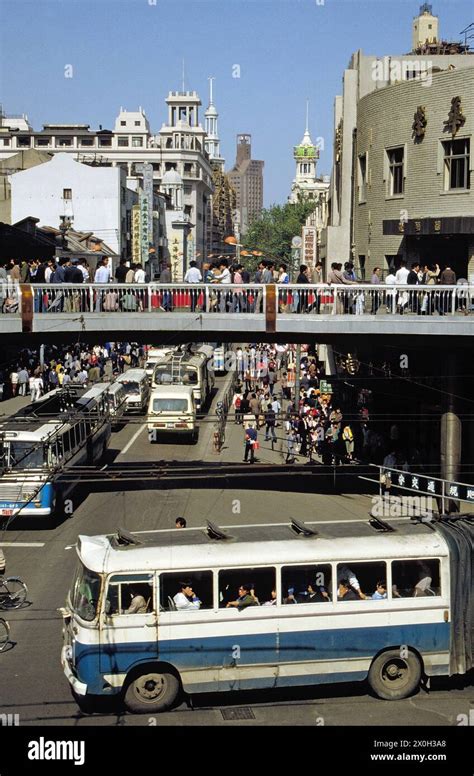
22,544
133,439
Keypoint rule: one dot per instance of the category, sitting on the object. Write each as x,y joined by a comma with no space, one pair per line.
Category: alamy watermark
392,70
403,506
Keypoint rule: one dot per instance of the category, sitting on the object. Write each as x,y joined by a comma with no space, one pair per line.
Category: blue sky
129,53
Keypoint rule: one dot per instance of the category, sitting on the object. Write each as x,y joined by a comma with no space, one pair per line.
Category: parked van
137,388
153,356
172,410
187,368
117,398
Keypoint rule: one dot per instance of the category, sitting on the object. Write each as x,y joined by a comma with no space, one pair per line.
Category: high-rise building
221,205
246,178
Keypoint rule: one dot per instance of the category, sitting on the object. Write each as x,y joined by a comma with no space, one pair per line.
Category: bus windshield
132,388
85,593
25,455
170,405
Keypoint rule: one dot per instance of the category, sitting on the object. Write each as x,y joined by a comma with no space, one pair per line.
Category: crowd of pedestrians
311,427
75,364
366,298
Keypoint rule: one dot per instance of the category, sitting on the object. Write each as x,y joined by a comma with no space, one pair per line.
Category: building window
67,193
122,142
23,142
105,142
6,141
362,177
396,176
86,141
64,141
456,164
137,123
156,166
123,123
41,142
137,142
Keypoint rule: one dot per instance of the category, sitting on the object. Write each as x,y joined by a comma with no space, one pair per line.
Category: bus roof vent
214,532
381,525
301,528
125,538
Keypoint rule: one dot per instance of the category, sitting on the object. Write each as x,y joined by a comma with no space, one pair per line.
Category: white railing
148,297
368,299
303,299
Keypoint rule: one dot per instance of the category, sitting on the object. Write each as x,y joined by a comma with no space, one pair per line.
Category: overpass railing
288,299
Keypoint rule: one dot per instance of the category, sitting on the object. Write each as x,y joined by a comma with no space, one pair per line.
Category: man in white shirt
391,295
401,280
186,599
193,275
102,275
223,278
139,276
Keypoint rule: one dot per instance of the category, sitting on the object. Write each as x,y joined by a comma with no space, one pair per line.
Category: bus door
247,633
128,625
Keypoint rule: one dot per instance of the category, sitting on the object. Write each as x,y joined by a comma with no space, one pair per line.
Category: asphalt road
32,683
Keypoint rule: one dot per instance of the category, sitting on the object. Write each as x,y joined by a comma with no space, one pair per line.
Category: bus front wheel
151,691
395,674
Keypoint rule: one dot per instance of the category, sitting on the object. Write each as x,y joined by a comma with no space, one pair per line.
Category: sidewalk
233,448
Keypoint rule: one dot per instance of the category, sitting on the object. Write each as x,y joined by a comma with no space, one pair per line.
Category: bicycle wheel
15,593
4,633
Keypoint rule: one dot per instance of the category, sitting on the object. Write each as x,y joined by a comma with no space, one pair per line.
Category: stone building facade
413,197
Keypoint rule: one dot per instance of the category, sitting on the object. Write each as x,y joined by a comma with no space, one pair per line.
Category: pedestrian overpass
152,313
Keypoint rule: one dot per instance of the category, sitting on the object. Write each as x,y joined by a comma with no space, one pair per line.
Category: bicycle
13,592
4,634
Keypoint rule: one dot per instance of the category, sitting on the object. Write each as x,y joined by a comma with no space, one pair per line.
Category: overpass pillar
451,430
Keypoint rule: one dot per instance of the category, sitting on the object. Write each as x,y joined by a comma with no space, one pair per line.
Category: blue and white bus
223,640
66,427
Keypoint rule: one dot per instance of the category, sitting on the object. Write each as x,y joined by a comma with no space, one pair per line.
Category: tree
274,230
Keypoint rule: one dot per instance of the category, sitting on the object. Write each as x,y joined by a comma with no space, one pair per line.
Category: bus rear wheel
393,677
151,691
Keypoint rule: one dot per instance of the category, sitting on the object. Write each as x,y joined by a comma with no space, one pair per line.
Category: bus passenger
315,594
344,572
138,605
290,598
380,591
245,598
273,599
345,592
186,598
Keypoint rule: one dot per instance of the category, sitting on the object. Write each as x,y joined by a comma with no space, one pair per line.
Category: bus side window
262,582
124,588
66,442
200,583
359,581
415,578
306,584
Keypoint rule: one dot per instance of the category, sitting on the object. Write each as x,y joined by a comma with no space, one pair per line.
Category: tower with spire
305,155
212,142
307,186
